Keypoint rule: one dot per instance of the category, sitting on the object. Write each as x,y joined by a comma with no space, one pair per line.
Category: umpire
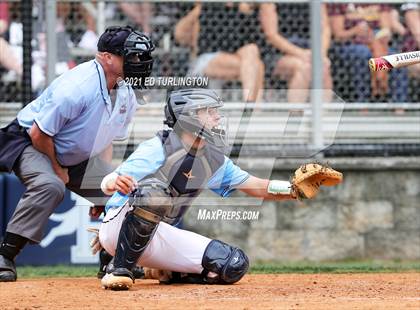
59,139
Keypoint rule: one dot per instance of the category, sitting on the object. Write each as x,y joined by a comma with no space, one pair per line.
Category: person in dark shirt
412,34
223,40
292,40
363,31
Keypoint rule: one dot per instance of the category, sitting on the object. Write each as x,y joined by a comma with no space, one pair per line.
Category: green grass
57,271
354,266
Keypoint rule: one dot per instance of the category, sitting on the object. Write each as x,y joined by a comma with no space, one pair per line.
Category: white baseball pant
171,248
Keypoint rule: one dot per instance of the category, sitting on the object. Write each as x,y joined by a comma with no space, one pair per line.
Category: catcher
154,187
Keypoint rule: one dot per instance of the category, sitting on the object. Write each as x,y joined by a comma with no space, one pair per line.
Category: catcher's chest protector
186,174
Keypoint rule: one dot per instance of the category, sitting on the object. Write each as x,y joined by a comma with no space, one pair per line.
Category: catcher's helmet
135,47
181,114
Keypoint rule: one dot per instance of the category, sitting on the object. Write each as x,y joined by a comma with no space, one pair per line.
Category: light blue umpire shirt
150,156
76,110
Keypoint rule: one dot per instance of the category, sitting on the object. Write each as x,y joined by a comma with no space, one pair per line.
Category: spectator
64,43
8,59
225,45
362,32
4,17
89,38
139,13
294,65
412,35
12,52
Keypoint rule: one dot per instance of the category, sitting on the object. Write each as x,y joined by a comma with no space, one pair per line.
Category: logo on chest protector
188,175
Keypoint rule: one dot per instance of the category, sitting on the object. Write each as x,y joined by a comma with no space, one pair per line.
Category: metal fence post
51,21
27,51
100,21
317,74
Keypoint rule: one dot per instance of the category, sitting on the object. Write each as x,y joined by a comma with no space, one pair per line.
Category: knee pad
230,263
148,205
133,239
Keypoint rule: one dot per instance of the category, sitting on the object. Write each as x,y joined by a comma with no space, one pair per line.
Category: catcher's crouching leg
222,263
225,264
104,259
149,205
135,234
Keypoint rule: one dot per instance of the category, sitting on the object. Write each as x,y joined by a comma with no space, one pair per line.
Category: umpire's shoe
119,279
7,270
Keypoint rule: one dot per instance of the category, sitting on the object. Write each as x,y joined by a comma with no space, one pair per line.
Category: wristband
277,187
112,177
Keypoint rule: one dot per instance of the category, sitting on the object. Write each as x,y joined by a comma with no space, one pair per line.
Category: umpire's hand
62,173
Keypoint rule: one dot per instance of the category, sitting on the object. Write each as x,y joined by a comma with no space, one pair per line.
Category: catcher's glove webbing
308,178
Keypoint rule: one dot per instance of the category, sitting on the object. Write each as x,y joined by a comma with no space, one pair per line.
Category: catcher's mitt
308,178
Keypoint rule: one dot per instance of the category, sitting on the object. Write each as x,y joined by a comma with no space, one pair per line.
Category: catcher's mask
136,49
196,110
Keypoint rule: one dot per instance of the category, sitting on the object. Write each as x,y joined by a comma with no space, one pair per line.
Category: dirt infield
283,291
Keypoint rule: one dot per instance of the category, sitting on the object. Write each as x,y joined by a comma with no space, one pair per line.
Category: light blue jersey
150,156
76,111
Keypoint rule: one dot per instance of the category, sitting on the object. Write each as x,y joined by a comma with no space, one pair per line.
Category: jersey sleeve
225,180
145,160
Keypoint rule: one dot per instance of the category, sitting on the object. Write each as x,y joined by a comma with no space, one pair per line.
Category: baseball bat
389,62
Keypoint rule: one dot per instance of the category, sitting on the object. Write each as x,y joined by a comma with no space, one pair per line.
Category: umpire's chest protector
186,173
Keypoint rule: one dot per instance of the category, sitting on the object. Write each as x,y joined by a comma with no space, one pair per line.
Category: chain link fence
263,46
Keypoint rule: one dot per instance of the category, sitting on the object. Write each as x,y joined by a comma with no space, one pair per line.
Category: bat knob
379,64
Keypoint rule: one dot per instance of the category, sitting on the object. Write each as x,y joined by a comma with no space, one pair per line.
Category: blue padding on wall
2,207
58,252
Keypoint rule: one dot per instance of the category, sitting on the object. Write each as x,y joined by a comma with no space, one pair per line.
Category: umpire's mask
136,49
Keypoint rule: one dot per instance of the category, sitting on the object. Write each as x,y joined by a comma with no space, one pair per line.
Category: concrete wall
374,213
